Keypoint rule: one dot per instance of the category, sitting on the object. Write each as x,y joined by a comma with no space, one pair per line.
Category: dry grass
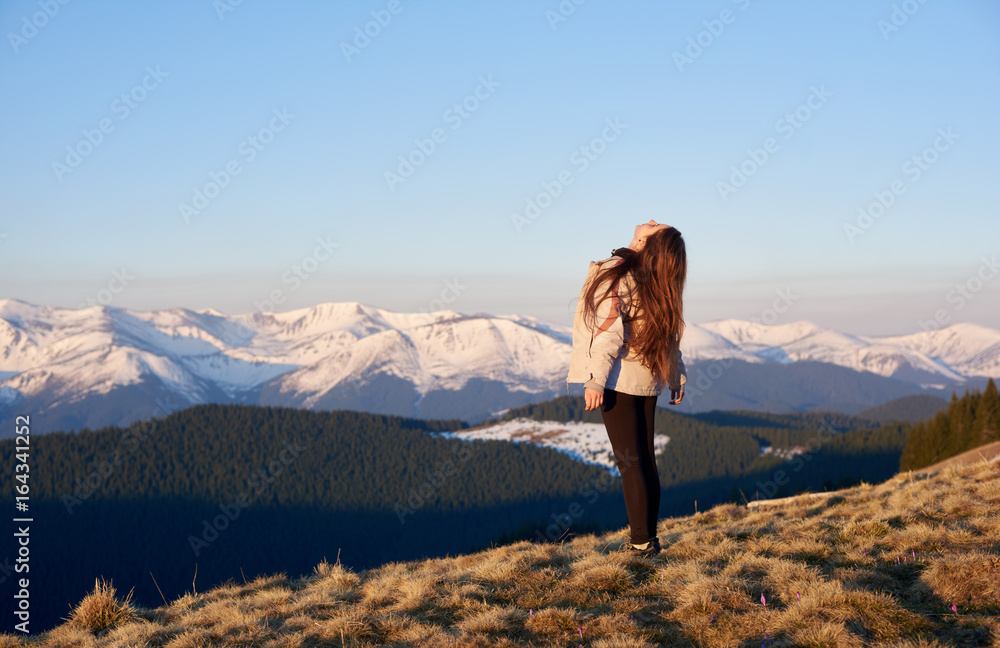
101,611
877,565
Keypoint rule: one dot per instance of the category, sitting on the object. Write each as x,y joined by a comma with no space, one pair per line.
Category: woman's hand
676,396
593,398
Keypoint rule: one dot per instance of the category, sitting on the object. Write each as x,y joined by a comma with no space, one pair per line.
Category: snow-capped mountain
100,366
952,354
96,366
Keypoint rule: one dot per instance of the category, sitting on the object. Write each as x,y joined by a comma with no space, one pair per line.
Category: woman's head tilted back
663,261
659,270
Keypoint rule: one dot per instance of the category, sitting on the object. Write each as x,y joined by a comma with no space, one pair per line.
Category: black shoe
652,548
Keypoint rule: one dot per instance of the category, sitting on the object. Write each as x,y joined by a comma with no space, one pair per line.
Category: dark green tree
986,427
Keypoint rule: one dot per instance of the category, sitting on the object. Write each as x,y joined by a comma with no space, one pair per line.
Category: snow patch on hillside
586,442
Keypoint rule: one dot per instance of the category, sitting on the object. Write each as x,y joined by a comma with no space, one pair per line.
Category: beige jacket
602,359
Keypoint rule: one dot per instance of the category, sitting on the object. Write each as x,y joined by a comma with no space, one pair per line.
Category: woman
626,349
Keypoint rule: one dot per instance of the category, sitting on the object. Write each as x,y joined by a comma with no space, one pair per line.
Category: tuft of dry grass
971,580
877,565
101,611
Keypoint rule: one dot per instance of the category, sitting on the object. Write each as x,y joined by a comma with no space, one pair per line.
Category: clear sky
195,154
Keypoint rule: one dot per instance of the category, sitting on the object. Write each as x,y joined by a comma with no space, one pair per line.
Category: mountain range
98,366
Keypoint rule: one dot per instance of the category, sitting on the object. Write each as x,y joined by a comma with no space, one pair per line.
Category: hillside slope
989,452
913,561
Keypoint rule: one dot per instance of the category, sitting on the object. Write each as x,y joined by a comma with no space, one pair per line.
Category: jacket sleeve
682,373
606,340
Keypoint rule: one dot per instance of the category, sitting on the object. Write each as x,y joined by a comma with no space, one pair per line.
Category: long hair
656,311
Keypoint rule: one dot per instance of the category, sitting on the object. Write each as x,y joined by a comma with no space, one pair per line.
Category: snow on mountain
701,344
966,349
587,442
751,336
437,351
416,364
954,354
300,354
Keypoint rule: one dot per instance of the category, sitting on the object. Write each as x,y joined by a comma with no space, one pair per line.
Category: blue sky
839,97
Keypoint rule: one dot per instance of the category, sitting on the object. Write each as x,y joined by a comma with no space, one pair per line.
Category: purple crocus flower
954,608
763,600
797,597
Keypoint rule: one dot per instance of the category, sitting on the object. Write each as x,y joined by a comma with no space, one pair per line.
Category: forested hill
970,421
917,407
231,490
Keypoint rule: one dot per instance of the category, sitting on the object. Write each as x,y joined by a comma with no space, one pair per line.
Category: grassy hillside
914,561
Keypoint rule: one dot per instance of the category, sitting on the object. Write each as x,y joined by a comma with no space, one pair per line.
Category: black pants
629,420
